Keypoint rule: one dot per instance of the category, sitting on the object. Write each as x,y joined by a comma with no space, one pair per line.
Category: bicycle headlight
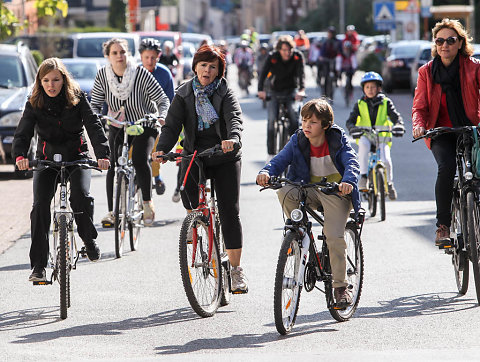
296,215
122,161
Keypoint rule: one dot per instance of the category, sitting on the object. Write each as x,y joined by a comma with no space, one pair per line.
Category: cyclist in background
286,65
302,42
150,50
329,51
351,35
243,58
58,111
374,109
169,59
346,62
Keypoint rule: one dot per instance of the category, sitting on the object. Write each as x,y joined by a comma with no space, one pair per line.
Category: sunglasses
450,40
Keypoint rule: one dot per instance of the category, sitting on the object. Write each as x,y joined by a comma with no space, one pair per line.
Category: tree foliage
116,15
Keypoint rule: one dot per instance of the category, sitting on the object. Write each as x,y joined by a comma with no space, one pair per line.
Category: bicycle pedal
108,225
42,282
240,291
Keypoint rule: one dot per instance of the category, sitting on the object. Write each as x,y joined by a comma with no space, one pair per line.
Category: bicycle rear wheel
459,256
63,264
202,280
381,192
354,272
371,196
135,220
286,295
473,221
121,223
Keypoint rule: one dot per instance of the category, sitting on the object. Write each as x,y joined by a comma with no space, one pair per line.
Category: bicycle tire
354,272
225,296
202,282
473,221
134,223
285,289
459,256
285,133
381,192
371,196
63,265
120,215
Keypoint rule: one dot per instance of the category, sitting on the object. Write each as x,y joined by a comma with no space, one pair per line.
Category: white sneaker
239,282
108,220
148,213
176,196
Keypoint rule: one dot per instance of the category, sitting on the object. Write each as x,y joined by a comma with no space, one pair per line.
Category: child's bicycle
204,263
377,186
301,264
64,252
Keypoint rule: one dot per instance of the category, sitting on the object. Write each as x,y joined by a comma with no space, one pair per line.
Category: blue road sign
384,15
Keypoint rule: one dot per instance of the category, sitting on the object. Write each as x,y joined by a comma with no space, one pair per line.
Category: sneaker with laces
343,297
392,193
92,249
442,237
159,186
38,274
239,282
362,183
176,196
108,220
148,213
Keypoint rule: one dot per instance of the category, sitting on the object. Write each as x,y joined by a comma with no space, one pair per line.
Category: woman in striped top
130,92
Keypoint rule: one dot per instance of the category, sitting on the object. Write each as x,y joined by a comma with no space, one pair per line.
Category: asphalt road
135,307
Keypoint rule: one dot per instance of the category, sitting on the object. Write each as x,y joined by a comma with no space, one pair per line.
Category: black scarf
449,79
54,106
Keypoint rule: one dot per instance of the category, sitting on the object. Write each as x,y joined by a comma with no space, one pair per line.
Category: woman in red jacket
447,95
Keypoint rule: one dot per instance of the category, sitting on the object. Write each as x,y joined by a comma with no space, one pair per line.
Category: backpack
476,154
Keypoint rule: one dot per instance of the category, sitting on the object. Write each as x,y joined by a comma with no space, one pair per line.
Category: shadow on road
29,318
181,315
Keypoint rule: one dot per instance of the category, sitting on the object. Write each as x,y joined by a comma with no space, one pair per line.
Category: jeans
273,106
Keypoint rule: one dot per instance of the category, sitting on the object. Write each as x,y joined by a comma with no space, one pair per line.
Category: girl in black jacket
57,110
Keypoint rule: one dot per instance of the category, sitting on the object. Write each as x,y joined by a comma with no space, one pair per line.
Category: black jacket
285,75
61,134
182,113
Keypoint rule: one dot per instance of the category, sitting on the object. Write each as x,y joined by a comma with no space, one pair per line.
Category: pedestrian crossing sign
384,15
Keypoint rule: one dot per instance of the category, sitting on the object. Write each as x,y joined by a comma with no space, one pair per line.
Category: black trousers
45,183
444,151
227,191
142,147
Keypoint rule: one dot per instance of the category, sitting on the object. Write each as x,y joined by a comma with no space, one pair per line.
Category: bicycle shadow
181,315
28,318
15,267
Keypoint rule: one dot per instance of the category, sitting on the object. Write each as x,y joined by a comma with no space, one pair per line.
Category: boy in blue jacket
321,149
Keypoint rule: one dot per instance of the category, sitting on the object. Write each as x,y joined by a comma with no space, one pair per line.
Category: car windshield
11,75
93,47
188,51
82,70
407,51
426,54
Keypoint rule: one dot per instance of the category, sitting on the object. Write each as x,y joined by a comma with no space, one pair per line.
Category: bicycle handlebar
435,132
148,118
209,152
85,163
328,188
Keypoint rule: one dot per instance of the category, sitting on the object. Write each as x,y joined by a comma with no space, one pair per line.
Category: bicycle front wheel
354,272
381,192
135,220
371,196
63,265
202,279
226,266
286,295
121,223
459,256
473,221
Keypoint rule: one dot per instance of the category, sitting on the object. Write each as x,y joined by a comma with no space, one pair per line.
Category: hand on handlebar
156,158
228,145
398,130
344,188
22,164
263,179
262,95
300,95
418,132
103,163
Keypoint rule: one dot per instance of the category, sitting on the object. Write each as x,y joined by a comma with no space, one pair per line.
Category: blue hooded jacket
296,153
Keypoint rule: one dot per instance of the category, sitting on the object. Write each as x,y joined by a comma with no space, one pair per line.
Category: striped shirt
321,165
147,96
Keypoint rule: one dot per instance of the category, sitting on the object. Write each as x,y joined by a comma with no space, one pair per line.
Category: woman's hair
108,44
70,86
321,109
209,53
466,48
285,39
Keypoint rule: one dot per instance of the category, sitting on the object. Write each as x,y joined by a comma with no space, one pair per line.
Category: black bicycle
64,252
300,263
465,226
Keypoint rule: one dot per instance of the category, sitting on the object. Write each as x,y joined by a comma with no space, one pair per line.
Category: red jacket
426,103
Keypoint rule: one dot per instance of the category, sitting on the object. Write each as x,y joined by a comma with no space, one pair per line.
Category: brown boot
442,237
343,297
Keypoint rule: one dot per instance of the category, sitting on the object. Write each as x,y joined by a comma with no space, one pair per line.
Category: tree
8,20
116,15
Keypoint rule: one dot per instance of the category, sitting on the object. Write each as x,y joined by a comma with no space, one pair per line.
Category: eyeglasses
450,40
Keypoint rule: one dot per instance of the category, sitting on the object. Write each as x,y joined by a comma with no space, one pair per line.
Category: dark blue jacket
297,154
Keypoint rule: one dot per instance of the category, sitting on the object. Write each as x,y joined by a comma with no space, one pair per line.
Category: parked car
49,44
188,51
84,71
90,45
398,62
196,39
423,56
17,76
376,44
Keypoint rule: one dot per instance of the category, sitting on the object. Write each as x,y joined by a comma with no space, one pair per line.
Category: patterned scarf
206,113
122,90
